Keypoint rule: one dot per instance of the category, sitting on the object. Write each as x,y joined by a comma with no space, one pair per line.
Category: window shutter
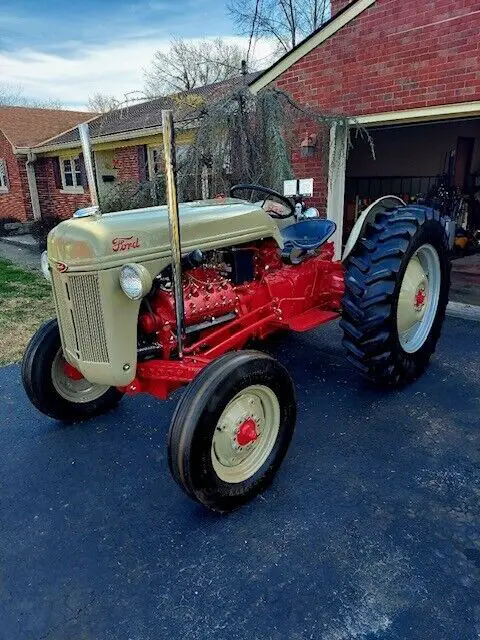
83,171
57,176
142,163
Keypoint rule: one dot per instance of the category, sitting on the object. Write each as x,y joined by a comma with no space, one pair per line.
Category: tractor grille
80,316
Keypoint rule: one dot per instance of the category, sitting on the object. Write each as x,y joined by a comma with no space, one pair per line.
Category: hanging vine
244,137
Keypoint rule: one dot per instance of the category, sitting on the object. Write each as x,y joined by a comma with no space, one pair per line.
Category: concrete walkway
21,250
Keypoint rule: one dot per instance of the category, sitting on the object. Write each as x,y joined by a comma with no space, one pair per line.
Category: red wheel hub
71,372
247,432
420,298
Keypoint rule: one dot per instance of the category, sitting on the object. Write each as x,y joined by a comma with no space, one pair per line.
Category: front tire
396,291
51,390
231,430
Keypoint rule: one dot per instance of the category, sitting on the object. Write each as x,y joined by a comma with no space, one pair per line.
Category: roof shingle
147,115
29,127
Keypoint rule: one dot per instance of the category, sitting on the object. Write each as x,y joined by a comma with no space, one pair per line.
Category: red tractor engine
207,295
235,295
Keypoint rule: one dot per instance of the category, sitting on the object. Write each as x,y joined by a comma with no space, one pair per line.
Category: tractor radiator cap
86,212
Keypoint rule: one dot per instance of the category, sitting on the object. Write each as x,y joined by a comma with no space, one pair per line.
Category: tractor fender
369,215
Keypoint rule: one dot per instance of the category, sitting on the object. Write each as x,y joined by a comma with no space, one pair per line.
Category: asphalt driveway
371,529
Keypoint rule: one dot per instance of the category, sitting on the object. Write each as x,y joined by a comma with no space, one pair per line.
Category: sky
66,51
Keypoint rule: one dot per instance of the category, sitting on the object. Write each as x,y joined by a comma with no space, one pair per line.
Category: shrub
133,195
42,227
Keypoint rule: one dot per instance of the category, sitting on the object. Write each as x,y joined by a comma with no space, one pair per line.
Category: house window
156,164
71,174
156,159
3,176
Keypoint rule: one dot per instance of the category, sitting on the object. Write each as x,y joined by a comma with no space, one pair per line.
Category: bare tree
287,22
102,103
187,65
13,96
10,95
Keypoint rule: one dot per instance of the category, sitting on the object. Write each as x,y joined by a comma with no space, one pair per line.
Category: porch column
336,182
32,186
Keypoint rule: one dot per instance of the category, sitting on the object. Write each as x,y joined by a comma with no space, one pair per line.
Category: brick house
42,173
22,187
127,147
408,71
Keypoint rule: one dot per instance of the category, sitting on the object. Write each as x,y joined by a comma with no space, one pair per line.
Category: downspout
32,185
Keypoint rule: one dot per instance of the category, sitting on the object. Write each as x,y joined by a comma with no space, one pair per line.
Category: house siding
16,202
393,56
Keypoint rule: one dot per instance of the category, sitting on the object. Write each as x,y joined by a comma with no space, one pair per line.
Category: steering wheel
267,192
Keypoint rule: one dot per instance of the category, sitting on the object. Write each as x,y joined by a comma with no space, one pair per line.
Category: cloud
73,74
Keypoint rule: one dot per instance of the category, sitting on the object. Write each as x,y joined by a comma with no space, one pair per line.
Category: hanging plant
244,137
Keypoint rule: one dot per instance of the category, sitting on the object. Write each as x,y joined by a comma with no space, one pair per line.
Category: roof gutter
113,137
423,114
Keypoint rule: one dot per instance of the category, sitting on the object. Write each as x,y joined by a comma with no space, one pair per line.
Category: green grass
26,302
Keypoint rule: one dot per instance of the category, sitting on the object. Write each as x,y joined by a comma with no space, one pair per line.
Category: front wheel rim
245,434
418,298
76,391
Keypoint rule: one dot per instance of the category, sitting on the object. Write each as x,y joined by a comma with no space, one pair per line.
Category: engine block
207,294
279,291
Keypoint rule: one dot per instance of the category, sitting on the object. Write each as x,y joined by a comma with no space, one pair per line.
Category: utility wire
254,28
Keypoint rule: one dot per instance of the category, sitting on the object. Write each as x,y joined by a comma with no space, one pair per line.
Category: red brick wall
393,56
15,203
127,163
312,167
53,202
338,5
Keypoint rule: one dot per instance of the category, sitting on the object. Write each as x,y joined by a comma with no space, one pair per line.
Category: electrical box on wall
302,187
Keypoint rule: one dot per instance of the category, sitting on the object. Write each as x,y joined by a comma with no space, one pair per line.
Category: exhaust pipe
174,224
84,132
94,208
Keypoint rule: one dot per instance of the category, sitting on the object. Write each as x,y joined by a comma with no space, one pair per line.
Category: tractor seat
307,235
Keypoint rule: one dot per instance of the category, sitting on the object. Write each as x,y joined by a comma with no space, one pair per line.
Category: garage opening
432,163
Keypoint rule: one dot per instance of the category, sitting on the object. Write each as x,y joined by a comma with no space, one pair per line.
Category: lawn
26,303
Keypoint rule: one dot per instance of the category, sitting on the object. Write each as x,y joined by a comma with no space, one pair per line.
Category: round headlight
44,266
135,281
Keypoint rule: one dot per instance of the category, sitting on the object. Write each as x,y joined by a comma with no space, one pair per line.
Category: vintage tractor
138,312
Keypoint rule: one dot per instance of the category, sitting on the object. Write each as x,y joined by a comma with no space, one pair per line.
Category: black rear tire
37,380
374,274
196,419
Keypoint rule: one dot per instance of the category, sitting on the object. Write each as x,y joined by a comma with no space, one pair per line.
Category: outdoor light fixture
308,145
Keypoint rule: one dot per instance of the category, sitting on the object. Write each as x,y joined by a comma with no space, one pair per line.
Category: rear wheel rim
245,434
76,391
418,299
